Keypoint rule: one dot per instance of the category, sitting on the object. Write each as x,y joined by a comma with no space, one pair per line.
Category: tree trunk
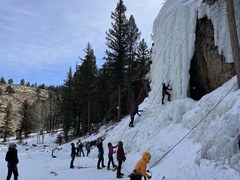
119,103
234,37
89,116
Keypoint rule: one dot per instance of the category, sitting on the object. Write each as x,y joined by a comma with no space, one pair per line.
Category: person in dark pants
88,147
80,149
73,154
140,168
165,91
100,155
12,161
133,113
110,155
120,157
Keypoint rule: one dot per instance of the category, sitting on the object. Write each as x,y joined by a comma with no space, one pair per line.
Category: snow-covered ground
190,140
167,131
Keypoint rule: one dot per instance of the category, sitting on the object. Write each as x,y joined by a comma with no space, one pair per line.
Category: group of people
139,170
120,157
80,147
78,150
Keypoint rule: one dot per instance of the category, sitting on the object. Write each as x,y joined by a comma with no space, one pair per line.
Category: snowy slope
203,152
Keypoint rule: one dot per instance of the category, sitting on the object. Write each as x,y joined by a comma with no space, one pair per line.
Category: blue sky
41,39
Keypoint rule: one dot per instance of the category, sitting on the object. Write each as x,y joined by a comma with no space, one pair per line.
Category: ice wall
174,41
174,45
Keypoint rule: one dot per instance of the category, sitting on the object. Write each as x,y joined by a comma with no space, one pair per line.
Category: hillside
21,93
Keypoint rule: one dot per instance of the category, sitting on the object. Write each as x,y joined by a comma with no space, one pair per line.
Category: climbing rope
193,127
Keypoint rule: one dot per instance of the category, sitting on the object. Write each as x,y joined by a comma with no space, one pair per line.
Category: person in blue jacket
100,155
133,113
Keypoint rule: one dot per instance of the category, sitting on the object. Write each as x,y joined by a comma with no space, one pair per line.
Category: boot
118,173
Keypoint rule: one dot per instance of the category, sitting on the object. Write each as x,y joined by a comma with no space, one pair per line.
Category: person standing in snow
120,157
12,161
88,147
133,113
140,168
100,155
110,155
165,91
81,148
73,154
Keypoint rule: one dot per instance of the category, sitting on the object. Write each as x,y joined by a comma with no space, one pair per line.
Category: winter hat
12,145
120,143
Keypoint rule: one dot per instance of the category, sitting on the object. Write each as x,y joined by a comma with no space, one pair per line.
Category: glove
149,177
148,171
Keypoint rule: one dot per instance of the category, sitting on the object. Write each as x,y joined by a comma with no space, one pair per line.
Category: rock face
17,98
208,68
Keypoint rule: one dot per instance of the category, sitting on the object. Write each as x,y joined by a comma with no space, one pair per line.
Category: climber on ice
165,91
133,113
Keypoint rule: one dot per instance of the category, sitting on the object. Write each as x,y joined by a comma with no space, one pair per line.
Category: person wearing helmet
140,168
165,91
120,157
110,155
73,154
12,161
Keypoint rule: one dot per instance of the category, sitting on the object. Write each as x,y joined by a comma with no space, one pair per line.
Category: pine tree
85,89
28,84
67,104
133,38
104,94
6,126
118,45
132,71
22,82
143,59
10,81
2,80
26,125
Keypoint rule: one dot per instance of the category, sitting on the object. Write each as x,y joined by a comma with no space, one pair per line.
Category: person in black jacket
133,113
12,161
165,91
73,154
100,155
120,157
